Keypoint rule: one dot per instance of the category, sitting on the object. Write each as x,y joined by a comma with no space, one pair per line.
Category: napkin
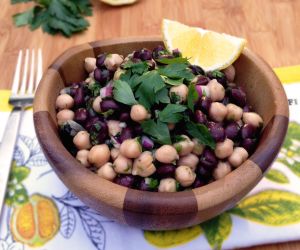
41,213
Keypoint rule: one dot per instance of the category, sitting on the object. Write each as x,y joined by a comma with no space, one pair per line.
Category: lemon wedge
118,2
205,48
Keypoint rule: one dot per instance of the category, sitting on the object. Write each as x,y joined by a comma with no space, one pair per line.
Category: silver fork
21,97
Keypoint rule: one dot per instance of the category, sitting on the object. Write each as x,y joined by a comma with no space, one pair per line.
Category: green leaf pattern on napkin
277,176
217,230
172,238
268,207
16,193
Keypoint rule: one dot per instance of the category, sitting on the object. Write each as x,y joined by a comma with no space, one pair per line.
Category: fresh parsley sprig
147,87
172,113
123,93
201,132
55,16
159,131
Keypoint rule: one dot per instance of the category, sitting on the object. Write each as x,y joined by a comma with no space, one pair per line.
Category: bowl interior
160,210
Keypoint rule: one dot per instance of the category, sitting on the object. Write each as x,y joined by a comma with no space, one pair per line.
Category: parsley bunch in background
55,16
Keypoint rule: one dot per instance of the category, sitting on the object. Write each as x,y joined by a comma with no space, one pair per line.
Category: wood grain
272,28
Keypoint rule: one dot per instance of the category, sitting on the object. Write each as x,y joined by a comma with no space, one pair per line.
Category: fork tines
30,77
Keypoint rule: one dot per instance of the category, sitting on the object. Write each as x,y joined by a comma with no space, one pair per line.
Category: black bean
248,131
147,143
109,104
101,75
196,70
232,130
79,97
125,180
198,183
165,171
238,97
100,60
249,144
81,115
208,159
126,134
205,104
124,117
200,117
216,131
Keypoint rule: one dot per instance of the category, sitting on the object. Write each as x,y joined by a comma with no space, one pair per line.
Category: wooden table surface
271,27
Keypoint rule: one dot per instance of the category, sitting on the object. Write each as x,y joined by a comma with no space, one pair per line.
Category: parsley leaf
173,60
192,97
201,132
123,93
157,130
95,88
150,84
176,71
172,113
173,82
152,183
136,68
55,16
162,96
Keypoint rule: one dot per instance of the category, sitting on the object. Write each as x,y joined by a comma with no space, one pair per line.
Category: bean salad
154,122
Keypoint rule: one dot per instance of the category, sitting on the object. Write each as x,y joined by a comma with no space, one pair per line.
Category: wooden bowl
160,211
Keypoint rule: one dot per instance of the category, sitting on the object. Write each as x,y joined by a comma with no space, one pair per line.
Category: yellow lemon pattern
35,222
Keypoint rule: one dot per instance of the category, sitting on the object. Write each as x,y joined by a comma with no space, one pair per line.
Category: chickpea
118,73
82,157
180,90
224,149
107,171
217,111
82,140
64,101
222,169
234,112
189,160
90,64
238,156
99,155
64,115
252,118
130,148
216,90
167,185
122,165
185,146
166,154
113,127
229,73
114,153
96,104
139,113
198,147
113,61
185,176
143,165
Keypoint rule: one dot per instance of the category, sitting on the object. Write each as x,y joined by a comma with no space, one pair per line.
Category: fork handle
7,150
